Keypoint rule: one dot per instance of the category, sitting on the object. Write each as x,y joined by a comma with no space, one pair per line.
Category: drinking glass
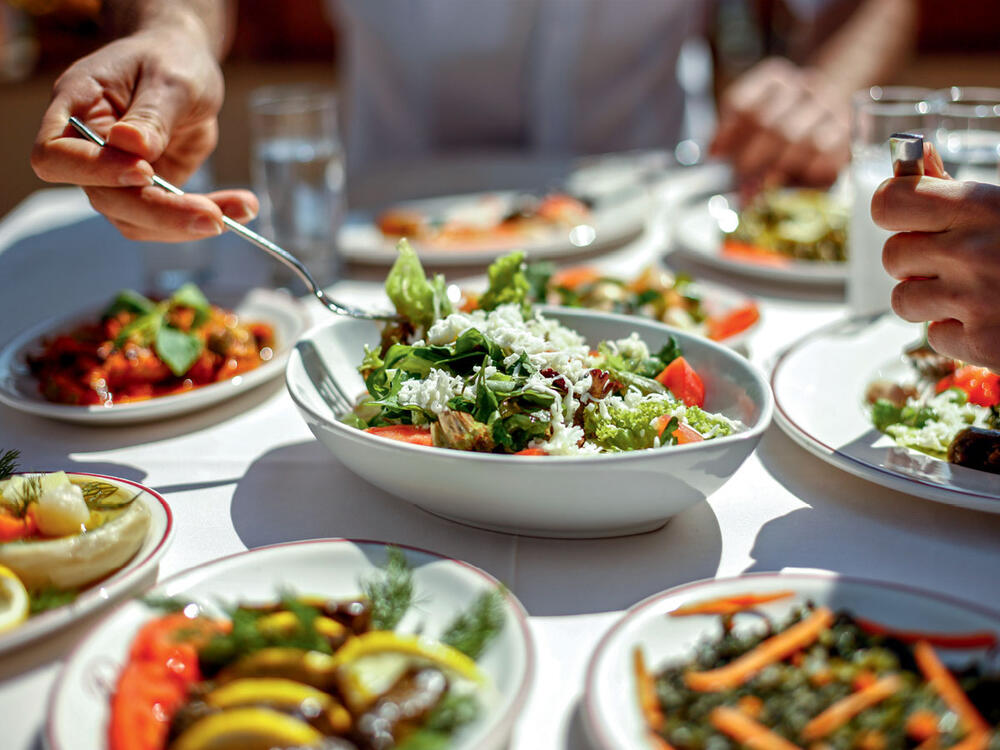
298,174
877,113
967,133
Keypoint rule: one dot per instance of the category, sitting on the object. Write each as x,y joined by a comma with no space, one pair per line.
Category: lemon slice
370,664
247,729
14,602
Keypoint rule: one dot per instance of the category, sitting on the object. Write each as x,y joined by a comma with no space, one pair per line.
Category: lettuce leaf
627,429
418,300
508,283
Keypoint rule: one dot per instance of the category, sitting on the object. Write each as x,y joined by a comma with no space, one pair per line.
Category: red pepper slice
682,381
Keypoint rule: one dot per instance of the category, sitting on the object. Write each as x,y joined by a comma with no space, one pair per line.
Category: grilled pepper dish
819,680
140,349
305,672
504,378
947,409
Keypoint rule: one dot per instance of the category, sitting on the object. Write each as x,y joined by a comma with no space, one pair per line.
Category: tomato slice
404,433
682,381
531,452
760,256
685,435
980,384
735,321
574,278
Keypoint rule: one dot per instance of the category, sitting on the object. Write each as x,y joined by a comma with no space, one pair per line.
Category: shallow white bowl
610,708
559,496
137,573
19,389
79,706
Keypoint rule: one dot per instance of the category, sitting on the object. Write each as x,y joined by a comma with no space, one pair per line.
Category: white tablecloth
249,473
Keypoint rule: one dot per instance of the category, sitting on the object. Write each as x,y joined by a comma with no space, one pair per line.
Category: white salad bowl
553,496
610,705
79,708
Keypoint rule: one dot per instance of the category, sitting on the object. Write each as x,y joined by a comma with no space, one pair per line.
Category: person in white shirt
436,76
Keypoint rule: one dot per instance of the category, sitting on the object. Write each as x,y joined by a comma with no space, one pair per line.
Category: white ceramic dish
19,390
610,708
79,708
611,223
832,367
140,571
695,229
559,496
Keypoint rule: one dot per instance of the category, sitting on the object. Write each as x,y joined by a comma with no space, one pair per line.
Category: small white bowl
610,707
137,573
553,496
79,706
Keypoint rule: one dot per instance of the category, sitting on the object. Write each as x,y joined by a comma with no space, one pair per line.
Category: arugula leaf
8,463
178,350
669,352
142,330
129,301
508,283
486,403
189,295
390,591
418,300
472,630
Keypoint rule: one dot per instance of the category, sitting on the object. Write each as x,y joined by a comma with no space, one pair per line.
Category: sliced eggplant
976,448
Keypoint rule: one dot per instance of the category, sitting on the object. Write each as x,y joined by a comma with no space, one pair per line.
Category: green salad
504,378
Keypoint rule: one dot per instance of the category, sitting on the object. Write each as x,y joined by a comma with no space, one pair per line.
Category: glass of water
877,113
967,133
298,174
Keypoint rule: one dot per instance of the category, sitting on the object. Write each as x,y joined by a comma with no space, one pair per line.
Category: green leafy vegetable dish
306,671
505,378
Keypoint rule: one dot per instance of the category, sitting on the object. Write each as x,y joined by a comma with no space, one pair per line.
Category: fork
262,242
321,377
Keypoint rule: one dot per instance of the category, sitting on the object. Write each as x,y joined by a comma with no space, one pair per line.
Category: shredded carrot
730,605
751,705
863,679
531,452
470,302
922,725
659,743
575,277
931,743
871,740
847,708
946,686
12,527
649,705
774,649
746,731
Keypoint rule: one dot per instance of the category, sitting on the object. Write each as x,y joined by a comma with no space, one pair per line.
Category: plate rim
520,613
752,433
590,707
899,482
152,409
67,614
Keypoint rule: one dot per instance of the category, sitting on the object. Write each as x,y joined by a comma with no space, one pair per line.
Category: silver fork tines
321,377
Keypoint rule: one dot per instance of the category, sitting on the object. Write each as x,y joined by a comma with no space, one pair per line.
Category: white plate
558,496
610,223
695,229
19,390
610,707
138,572
819,387
79,708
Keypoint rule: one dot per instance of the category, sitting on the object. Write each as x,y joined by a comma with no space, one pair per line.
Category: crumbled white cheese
632,347
432,393
939,433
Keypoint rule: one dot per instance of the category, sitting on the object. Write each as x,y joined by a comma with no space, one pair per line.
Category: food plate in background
819,386
608,223
611,708
556,496
79,709
138,572
19,389
697,227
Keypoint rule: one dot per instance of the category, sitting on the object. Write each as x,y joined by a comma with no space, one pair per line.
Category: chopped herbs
390,591
50,598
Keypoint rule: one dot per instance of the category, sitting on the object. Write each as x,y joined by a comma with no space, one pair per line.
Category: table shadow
298,491
577,737
849,522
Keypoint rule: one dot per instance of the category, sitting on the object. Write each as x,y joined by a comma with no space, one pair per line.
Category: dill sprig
472,630
390,591
9,463
18,500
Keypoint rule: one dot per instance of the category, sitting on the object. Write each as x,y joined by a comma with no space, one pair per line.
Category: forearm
210,20
871,46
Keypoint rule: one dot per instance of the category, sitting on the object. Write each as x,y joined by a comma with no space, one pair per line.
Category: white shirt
428,77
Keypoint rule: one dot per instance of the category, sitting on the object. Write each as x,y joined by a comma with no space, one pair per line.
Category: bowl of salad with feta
528,419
